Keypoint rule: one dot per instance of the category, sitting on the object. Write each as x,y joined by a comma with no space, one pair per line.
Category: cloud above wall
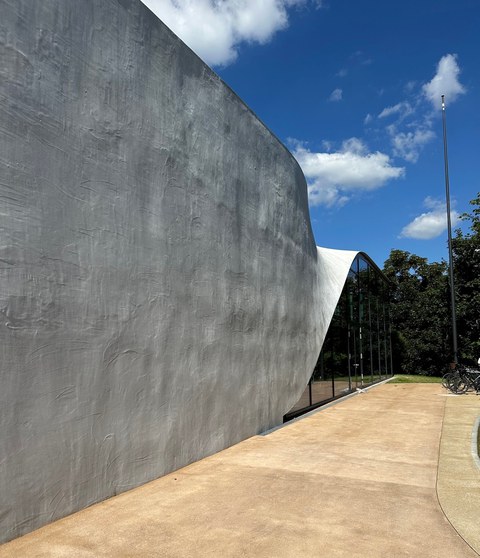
333,177
430,224
336,175
214,30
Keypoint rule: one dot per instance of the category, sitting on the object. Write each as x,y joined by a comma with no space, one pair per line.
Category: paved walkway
458,485
357,479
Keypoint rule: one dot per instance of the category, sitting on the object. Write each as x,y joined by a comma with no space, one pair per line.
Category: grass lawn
414,379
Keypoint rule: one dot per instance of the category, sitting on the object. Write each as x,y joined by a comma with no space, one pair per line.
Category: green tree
419,313
420,310
466,258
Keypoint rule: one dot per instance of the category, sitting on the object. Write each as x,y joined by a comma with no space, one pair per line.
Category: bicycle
462,379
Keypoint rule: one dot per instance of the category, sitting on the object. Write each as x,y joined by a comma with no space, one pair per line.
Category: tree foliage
466,266
419,313
420,310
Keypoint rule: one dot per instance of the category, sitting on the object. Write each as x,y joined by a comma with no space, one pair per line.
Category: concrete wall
161,294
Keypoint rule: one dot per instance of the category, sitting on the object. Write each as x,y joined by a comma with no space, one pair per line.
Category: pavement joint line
475,438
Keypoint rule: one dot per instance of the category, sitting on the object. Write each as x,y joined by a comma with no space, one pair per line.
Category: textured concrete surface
356,479
459,471
161,295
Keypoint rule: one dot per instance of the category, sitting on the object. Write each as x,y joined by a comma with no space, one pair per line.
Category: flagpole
449,228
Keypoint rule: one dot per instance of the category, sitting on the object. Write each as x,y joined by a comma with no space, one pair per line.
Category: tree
466,266
419,313
420,309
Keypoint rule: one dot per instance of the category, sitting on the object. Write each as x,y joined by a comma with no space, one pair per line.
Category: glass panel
322,388
340,342
304,401
365,331
389,331
385,365
375,308
353,331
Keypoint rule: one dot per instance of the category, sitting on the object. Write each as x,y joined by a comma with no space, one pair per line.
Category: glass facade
357,348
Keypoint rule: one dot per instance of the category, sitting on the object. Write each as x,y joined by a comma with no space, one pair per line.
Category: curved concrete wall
161,294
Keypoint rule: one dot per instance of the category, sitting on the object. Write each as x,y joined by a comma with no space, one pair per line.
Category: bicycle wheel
453,382
458,386
447,378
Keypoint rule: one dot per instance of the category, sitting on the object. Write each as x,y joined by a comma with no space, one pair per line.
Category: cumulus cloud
430,224
214,29
333,177
336,95
408,145
444,82
411,121
368,119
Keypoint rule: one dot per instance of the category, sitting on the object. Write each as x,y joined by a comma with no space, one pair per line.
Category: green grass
414,379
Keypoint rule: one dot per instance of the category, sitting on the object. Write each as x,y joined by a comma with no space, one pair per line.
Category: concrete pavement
356,479
458,485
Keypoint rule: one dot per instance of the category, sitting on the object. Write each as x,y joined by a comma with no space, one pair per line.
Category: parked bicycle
462,379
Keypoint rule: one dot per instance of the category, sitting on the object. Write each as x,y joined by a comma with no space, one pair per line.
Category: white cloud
408,145
214,29
333,177
409,135
430,224
336,95
368,119
342,73
403,109
445,82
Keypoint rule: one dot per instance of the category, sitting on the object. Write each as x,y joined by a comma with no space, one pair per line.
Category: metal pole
449,228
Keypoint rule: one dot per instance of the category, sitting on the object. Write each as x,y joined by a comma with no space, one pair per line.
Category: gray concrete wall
159,285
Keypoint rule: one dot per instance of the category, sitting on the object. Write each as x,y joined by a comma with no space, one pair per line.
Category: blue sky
353,89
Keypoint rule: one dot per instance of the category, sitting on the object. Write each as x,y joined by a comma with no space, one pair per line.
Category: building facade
162,296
